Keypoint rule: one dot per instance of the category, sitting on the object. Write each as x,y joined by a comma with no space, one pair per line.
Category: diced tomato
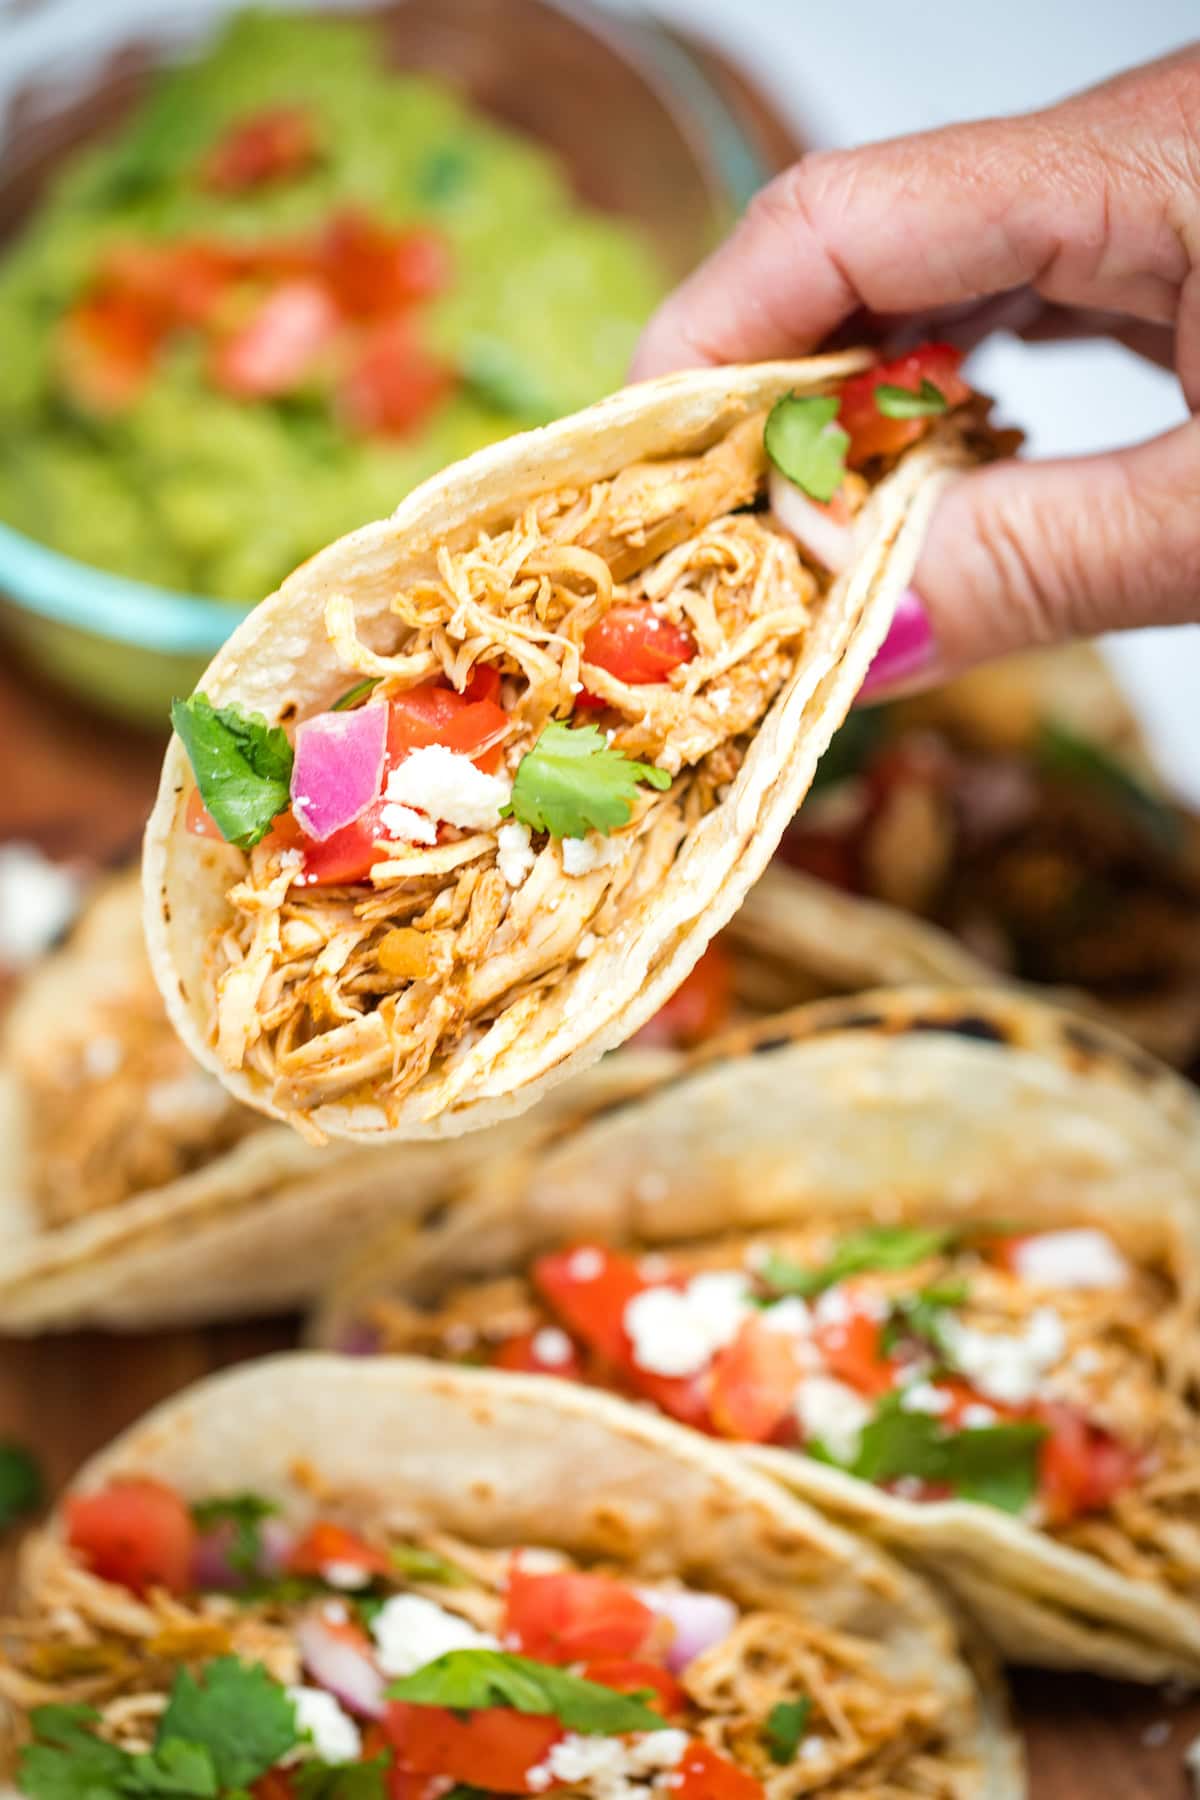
280,346
1081,1468
493,1748
753,1383
325,1543
852,1352
681,1397
572,1616
704,1774
589,1287
393,383
105,351
269,146
198,820
698,1008
434,713
521,1354
137,1533
635,645
484,684
627,1675
179,283
872,433
374,271
276,1784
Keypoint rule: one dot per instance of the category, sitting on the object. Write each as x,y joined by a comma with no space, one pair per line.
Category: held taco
1008,825
932,1258
310,1576
493,772
135,1191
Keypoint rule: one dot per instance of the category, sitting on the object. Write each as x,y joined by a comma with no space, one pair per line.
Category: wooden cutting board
81,787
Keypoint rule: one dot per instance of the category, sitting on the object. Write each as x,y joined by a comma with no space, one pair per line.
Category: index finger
938,219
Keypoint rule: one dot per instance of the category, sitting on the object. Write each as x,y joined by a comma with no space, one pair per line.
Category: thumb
1021,554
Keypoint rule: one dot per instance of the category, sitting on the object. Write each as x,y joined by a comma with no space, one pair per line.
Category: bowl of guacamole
298,273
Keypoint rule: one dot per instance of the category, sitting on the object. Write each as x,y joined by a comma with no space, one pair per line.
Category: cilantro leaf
21,1486
571,783
312,1780
238,1713
785,1726
922,1315
245,1512
66,1760
242,765
903,403
877,1247
417,1564
1063,752
803,442
994,1464
354,694
175,1767
468,1679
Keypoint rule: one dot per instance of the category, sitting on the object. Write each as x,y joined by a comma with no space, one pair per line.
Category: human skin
1084,217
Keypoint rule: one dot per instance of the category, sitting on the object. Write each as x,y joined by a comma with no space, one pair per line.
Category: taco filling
504,782
1053,863
211,1649
1043,1374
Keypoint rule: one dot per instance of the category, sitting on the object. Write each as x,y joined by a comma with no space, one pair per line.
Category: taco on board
135,1191
930,1259
397,1582
456,809
1008,825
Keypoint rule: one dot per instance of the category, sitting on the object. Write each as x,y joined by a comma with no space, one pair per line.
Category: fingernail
906,651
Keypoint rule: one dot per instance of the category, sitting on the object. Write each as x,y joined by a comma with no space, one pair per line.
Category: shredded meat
1129,1364
311,987
874,1736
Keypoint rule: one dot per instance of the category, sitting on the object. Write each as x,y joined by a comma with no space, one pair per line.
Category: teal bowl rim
48,585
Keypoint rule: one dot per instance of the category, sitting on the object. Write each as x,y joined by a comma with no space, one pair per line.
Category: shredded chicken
310,986
1129,1363
869,1735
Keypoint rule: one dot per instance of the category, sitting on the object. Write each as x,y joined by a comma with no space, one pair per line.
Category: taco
135,1191
310,1576
1011,825
457,808
931,1259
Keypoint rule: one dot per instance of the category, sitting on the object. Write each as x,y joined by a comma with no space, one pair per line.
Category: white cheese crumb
1083,1258
38,900
976,1415
581,855
335,1737
677,1333
719,700
586,945
449,786
345,1575
1002,1367
812,1749
585,1264
407,826
552,1346
411,1631
609,1766
788,1315
515,855
923,1397
831,1411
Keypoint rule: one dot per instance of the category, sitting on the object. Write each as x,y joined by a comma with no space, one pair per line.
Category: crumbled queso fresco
610,1766
411,1631
445,785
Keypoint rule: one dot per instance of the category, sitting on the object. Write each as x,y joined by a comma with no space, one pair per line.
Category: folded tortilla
135,1191
459,1469
493,565
1010,825
979,1116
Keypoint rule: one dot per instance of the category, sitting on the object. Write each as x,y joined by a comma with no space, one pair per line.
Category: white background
851,70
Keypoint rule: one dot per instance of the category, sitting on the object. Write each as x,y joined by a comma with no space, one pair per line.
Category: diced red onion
338,769
700,1621
212,1568
813,527
341,1666
277,1541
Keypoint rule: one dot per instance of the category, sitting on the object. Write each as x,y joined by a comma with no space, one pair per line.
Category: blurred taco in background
309,1575
1008,824
457,808
134,1191
932,1259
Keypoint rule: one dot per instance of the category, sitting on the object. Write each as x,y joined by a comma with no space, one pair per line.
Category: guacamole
294,285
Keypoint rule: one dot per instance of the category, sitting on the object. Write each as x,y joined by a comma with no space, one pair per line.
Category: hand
1092,206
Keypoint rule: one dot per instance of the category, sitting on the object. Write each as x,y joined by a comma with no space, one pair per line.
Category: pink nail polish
906,651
